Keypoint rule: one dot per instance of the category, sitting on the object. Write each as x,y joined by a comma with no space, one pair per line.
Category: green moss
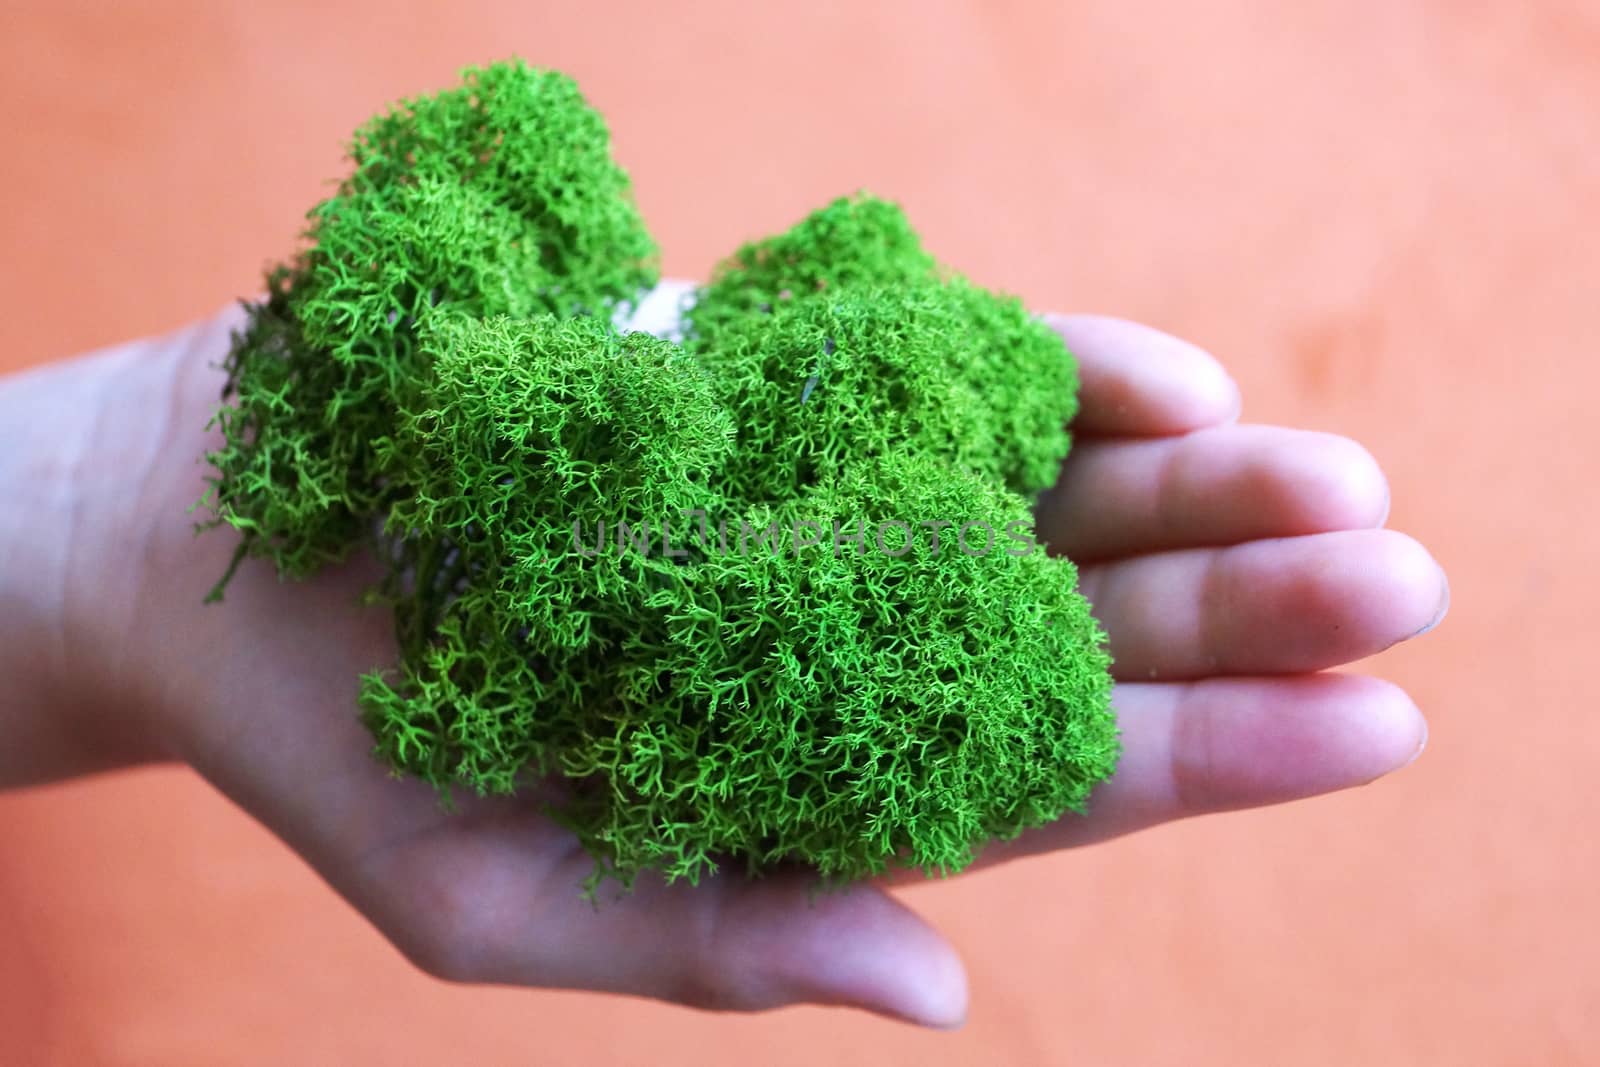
496,197
731,677
855,241
283,474
1026,378
937,369
852,709
515,631
857,267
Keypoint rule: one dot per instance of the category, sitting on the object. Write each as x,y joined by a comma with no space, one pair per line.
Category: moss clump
1027,379
854,241
495,197
634,563
515,631
755,696
856,267
850,708
937,369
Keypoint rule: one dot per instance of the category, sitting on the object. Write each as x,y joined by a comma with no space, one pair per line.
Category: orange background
1384,220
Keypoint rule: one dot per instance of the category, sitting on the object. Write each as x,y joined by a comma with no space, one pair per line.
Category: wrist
88,473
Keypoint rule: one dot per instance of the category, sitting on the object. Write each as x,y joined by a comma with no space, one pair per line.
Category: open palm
1228,564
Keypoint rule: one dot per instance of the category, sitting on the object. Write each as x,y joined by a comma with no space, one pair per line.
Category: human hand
1227,564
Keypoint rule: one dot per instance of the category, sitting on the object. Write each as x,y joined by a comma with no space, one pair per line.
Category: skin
1232,566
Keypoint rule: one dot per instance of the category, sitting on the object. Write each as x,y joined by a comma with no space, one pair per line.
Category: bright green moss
854,241
1017,381
1026,379
837,705
819,383
755,698
283,476
515,631
437,379
496,197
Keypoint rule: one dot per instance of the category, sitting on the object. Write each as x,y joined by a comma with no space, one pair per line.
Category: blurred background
1383,217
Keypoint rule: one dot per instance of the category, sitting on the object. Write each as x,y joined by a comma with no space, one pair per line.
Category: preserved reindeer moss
938,369
851,709
764,596
496,197
1020,382
854,241
514,630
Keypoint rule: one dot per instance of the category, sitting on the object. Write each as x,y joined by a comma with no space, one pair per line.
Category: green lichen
933,368
855,241
670,574
856,267
496,197
850,709
515,632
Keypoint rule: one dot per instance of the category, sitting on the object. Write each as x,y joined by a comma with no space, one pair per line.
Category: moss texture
496,197
855,273
853,710
765,595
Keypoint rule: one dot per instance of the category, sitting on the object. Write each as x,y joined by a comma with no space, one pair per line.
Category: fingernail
1422,744
936,1010
1444,605
935,998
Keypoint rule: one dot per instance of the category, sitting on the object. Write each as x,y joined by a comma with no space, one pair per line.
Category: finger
1265,607
491,907
1230,743
1217,486
1136,381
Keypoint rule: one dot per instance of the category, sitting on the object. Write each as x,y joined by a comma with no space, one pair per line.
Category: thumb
501,908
